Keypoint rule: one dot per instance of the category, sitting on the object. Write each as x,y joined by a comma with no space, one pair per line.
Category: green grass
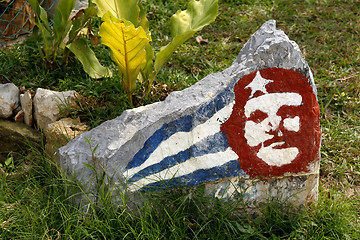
327,32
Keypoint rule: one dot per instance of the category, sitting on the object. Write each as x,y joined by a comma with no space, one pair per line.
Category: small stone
9,99
59,133
27,107
19,117
49,105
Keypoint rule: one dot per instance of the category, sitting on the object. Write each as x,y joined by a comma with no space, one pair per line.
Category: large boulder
251,130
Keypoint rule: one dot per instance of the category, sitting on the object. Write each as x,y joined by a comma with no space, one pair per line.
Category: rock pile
42,111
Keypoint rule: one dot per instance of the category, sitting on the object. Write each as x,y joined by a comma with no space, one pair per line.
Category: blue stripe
183,124
229,169
180,125
212,144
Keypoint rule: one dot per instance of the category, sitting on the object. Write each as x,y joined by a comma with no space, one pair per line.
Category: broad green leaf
88,59
165,52
46,36
184,24
108,16
40,13
43,29
147,70
62,24
121,9
144,22
127,45
198,15
139,18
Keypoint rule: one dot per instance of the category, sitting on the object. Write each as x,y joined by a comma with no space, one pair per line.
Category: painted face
274,125
266,125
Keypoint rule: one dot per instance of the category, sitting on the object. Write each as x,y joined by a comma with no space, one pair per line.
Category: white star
258,84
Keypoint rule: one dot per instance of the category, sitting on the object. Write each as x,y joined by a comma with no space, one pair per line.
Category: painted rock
251,131
274,125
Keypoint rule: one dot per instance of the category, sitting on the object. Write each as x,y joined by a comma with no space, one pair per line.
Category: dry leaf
18,19
225,40
200,40
94,39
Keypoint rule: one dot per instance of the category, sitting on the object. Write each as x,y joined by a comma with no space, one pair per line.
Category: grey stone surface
48,105
118,140
9,99
270,47
299,189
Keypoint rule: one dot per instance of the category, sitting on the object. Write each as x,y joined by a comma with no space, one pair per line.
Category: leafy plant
127,45
62,34
126,31
8,164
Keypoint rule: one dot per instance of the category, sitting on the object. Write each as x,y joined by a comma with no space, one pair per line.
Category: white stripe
181,141
184,168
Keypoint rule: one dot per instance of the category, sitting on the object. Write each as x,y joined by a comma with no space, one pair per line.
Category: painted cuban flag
187,151
264,126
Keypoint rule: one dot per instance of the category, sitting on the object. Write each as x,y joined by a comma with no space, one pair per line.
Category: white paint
258,84
181,141
270,103
258,132
184,168
292,124
277,157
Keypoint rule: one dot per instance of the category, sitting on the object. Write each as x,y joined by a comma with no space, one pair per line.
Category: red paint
307,139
